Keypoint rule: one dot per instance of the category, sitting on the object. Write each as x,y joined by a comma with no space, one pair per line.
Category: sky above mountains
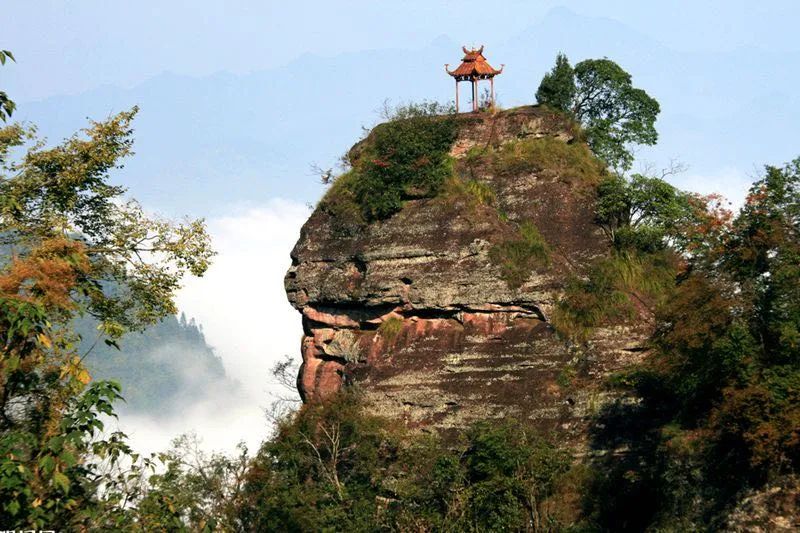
214,132
239,98
71,47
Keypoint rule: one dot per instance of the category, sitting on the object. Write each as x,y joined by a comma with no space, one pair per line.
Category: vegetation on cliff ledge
404,158
718,395
546,156
716,409
653,228
519,256
719,407
334,467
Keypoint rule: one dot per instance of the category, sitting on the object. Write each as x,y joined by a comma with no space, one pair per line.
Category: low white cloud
221,419
242,307
241,302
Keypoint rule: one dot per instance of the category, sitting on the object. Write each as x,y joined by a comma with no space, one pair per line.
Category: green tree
721,389
730,339
614,114
335,467
75,247
557,88
7,106
191,491
322,471
642,212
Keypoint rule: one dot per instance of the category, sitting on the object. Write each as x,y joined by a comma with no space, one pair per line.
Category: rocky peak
430,311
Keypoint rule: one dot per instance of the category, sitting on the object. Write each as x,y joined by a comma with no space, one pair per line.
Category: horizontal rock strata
413,309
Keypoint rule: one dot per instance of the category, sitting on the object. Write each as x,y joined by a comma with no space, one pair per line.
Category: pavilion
473,68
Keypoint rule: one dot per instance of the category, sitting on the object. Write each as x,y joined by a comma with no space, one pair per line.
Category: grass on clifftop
547,156
408,157
401,159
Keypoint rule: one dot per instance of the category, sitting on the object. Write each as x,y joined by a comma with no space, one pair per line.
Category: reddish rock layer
458,343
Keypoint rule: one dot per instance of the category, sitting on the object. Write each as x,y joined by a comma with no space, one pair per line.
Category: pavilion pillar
473,69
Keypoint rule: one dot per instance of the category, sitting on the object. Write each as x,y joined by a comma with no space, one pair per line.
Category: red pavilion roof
474,66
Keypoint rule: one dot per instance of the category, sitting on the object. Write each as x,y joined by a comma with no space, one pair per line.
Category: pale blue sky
73,46
241,97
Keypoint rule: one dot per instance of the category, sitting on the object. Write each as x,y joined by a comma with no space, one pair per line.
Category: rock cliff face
414,309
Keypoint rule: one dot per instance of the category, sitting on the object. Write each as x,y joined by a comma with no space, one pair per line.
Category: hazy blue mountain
162,370
206,142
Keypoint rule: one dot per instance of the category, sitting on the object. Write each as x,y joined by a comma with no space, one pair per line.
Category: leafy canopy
641,212
7,106
335,467
64,192
71,245
402,159
720,392
557,88
600,95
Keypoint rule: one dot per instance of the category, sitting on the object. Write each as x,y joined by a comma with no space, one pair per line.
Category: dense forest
162,369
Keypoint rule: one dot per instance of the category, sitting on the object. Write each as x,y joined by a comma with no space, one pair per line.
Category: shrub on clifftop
557,88
401,159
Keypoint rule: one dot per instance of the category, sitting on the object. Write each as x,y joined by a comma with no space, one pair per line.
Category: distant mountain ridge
162,370
203,143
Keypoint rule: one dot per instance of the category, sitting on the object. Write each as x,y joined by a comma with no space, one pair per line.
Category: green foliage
401,159
520,256
190,491
49,479
557,88
599,94
340,201
7,106
66,189
642,213
613,290
334,468
721,391
321,472
614,113
4,55
547,156
78,249
750,302
475,192
425,108
481,192
391,328
503,473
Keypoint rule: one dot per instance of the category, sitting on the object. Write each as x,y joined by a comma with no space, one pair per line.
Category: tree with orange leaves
720,409
70,244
